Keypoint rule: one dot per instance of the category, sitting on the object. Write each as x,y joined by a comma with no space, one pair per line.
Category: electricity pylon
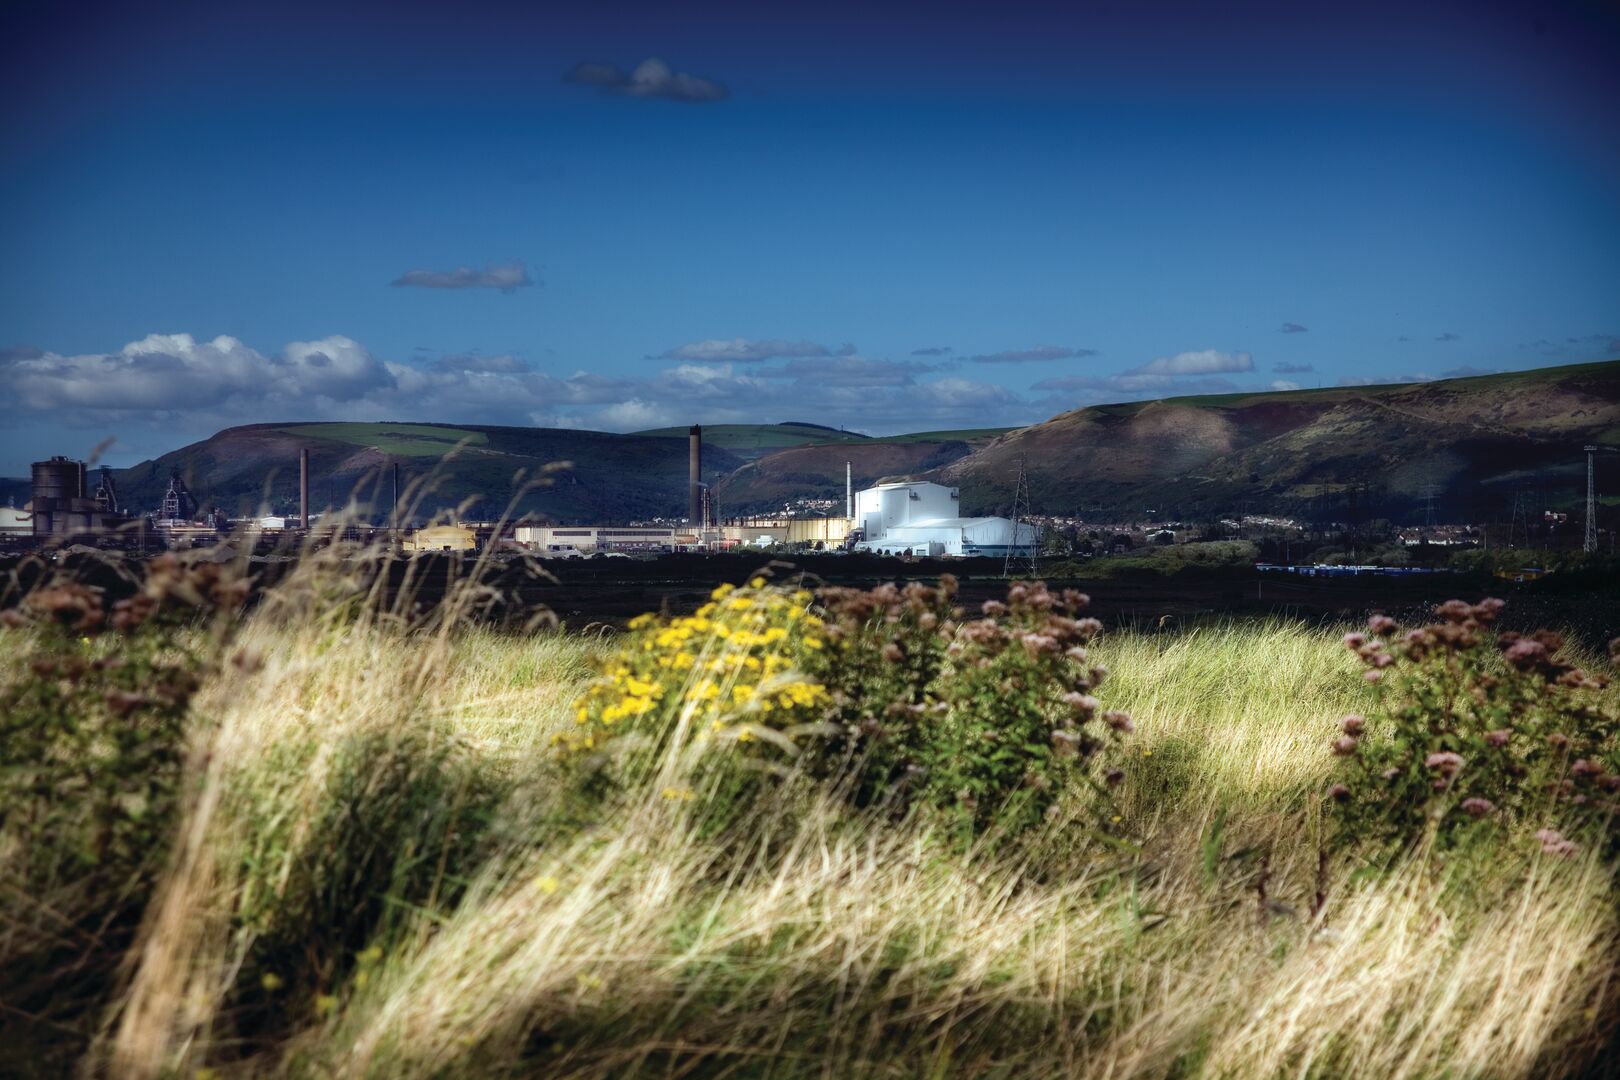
1020,510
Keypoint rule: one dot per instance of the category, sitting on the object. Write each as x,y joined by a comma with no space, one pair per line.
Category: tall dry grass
380,875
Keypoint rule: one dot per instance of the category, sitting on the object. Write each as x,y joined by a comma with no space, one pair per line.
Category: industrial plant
906,518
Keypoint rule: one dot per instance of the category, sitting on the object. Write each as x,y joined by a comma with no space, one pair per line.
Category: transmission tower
1028,558
1521,517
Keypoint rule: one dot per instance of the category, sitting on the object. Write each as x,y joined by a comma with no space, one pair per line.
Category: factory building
60,506
442,538
825,531
573,541
921,518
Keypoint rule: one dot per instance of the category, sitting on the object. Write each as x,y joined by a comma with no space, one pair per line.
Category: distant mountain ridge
1372,451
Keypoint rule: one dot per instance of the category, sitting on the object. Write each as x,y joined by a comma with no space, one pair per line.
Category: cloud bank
167,389
1201,362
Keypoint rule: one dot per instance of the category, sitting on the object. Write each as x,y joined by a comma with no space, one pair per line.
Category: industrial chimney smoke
694,506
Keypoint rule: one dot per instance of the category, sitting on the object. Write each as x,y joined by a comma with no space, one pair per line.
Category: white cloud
1201,362
1284,384
168,389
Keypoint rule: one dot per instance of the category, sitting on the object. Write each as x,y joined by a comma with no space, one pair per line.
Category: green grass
752,440
399,440
956,435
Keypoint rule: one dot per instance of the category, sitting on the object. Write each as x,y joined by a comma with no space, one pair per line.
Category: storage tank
56,481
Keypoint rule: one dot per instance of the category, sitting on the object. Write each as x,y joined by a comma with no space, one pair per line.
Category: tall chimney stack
849,492
694,509
303,488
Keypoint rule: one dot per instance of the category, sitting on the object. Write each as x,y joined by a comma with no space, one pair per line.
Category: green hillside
750,441
1368,451
609,476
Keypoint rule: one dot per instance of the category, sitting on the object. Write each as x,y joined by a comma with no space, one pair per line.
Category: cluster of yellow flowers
728,671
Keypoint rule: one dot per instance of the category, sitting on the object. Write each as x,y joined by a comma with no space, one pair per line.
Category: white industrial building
568,541
923,519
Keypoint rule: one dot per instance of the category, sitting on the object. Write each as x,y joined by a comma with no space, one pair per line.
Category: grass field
376,874
400,440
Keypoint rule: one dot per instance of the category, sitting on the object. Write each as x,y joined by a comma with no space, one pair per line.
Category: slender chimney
303,488
694,507
849,492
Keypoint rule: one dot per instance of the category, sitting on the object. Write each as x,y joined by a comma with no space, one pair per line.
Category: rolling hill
1374,451
1371,451
610,476
749,441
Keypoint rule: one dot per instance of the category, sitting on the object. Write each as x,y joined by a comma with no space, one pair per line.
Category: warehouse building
573,541
821,532
922,518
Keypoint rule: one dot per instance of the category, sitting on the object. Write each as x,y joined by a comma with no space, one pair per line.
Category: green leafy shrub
93,741
987,720
1475,728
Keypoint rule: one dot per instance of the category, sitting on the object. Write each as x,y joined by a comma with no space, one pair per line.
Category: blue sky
878,220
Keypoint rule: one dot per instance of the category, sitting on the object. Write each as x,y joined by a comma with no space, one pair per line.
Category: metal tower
1520,522
1029,558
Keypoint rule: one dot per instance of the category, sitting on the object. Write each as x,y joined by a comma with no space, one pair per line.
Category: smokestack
695,476
849,493
303,488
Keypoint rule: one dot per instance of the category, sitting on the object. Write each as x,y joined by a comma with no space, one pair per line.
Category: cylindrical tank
695,476
57,481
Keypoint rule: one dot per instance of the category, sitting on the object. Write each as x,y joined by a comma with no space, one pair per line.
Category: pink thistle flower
1354,724
1119,721
1354,640
1372,676
1455,611
1447,762
1382,625
1554,843
1338,793
1499,737
1082,704
1477,807
1525,654
1345,745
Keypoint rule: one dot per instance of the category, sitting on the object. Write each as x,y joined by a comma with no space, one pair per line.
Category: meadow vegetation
847,834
